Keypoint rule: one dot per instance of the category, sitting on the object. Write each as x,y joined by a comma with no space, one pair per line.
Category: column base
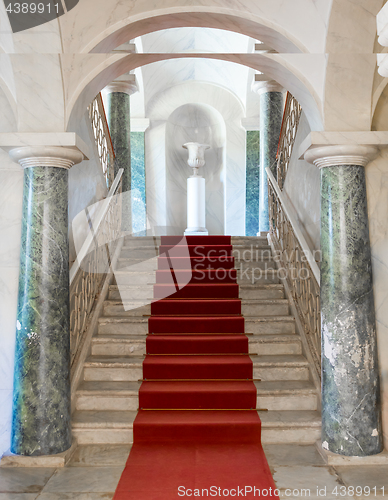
56,461
188,232
335,459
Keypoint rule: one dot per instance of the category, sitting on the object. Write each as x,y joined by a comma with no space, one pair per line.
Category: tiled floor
94,471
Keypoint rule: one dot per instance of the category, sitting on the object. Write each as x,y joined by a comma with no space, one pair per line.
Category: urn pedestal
196,190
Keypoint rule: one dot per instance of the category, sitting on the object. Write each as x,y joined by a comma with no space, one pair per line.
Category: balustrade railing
102,138
93,263
297,265
291,117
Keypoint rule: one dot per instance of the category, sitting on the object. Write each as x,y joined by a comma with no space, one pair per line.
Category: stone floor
94,472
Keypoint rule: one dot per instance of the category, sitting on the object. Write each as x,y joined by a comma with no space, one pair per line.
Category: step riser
257,279
281,373
269,327
211,307
117,349
197,291
265,309
194,325
200,263
268,436
139,253
259,294
275,349
118,310
282,403
113,374
131,403
144,292
138,349
103,436
103,374
133,278
123,328
283,436
197,277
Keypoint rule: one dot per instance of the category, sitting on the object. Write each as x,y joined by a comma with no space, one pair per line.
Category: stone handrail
297,266
93,264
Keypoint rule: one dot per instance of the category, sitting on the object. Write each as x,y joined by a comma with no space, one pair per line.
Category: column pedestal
196,209
351,406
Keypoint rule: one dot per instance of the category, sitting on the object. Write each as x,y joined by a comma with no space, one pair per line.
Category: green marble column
41,395
119,122
351,406
271,115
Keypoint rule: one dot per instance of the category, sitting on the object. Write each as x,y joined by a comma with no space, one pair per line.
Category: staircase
107,398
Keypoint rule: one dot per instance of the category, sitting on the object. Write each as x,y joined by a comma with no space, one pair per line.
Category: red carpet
197,432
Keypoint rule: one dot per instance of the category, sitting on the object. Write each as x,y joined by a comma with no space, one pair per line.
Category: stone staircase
107,397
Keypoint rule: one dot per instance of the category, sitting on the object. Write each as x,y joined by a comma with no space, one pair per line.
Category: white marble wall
302,189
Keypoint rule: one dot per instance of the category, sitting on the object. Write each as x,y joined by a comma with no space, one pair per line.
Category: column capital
46,156
126,84
341,154
325,149
62,149
263,83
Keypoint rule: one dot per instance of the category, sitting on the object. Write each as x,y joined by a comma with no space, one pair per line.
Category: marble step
138,325
130,325
130,368
262,291
252,276
249,307
142,252
249,240
116,427
131,292
134,278
247,291
124,396
141,241
270,325
269,307
135,345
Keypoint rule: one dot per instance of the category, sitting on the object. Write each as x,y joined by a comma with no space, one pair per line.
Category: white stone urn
196,156
196,202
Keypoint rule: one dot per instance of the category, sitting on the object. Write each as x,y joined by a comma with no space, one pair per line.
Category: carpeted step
242,426
196,240
197,367
195,306
200,344
195,251
195,262
183,276
196,290
196,324
197,395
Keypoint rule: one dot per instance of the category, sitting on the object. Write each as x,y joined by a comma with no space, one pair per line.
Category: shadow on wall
195,123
